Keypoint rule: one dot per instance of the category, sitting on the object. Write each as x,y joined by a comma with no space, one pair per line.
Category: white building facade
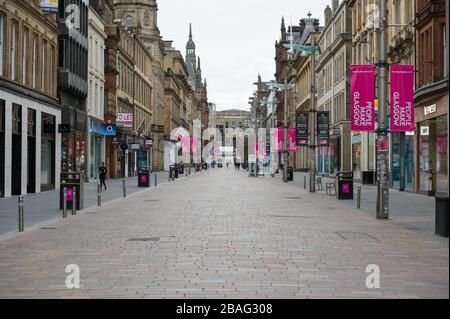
30,114
96,94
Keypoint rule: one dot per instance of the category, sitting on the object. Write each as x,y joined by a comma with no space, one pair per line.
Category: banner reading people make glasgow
402,98
362,97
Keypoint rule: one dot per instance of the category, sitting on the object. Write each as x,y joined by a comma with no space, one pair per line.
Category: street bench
319,183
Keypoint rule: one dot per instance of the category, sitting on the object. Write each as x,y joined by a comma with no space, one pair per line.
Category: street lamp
310,50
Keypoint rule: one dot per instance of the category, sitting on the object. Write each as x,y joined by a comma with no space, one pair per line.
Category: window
34,61
43,65
444,51
13,49
52,60
128,21
24,55
2,35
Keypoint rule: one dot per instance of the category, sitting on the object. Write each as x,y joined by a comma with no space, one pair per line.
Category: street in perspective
307,159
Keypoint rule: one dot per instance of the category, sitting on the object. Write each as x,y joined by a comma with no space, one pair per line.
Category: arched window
128,21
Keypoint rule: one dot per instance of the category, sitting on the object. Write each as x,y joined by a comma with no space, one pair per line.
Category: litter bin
73,182
290,173
181,169
441,220
345,185
144,177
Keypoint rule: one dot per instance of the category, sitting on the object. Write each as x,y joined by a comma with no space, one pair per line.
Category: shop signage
115,141
64,128
424,130
135,146
102,129
402,98
336,131
301,126
430,109
383,145
323,128
123,146
49,5
362,97
124,120
149,142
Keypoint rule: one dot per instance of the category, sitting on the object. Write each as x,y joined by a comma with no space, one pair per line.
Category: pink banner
362,97
279,140
185,144
402,98
194,145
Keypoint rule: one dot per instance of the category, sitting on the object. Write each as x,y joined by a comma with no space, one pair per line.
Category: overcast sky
235,39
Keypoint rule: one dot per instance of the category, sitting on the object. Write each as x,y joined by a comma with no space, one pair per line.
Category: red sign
124,120
279,140
402,98
362,96
383,145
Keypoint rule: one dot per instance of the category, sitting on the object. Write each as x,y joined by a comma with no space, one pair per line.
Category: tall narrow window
24,55
34,61
13,49
43,65
52,80
444,51
2,35
128,21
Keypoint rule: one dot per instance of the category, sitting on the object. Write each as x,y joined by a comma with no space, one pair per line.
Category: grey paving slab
412,211
42,207
222,234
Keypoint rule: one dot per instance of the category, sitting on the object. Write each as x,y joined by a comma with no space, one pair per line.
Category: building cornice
28,93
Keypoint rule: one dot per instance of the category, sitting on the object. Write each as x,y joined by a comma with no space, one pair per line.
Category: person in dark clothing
102,174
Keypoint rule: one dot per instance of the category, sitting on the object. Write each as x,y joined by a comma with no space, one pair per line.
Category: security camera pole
382,132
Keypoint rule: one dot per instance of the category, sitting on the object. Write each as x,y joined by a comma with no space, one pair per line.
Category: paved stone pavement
43,208
412,211
221,234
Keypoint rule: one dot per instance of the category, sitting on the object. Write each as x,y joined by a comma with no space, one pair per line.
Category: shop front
433,156
357,155
97,133
402,161
48,148
432,148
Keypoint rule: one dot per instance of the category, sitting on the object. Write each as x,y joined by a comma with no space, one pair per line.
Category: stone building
96,92
29,109
431,97
333,87
299,98
141,16
201,109
365,50
73,87
401,50
179,97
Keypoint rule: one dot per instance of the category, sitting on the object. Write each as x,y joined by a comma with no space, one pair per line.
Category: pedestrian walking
102,174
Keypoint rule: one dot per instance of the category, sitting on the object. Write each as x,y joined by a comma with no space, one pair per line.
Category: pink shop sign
362,95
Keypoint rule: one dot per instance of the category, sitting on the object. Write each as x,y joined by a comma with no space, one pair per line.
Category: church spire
190,31
283,30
